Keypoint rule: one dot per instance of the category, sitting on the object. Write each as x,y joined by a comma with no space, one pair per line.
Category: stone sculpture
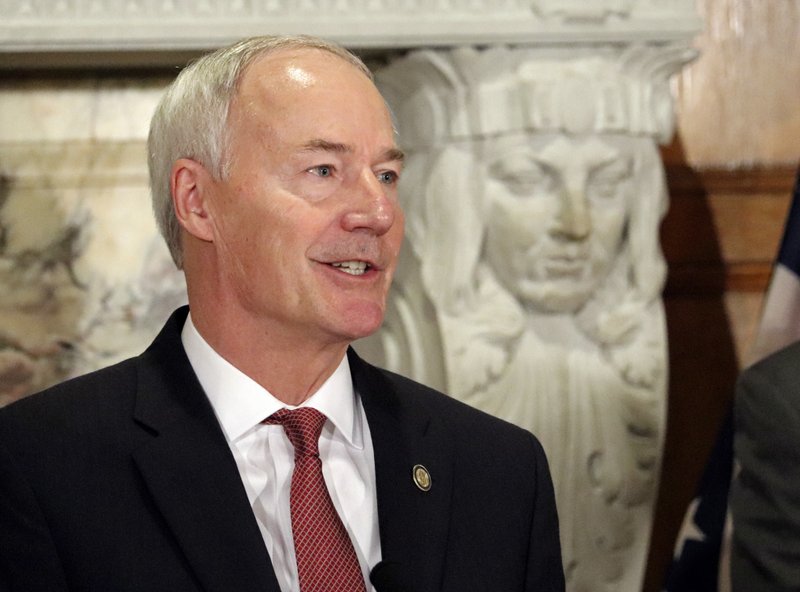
531,278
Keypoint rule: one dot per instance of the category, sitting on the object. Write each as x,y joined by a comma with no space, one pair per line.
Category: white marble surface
86,107
87,280
32,27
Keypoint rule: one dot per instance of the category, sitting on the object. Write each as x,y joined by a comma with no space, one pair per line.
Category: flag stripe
789,254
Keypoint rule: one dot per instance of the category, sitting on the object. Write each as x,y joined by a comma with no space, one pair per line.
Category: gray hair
191,119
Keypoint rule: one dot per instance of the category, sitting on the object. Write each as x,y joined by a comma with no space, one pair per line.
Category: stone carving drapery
531,279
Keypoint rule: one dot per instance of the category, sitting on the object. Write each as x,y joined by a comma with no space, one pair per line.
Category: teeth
352,267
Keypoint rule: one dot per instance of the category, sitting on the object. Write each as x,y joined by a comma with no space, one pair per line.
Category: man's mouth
353,267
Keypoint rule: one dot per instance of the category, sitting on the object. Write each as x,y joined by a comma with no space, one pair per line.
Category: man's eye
388,177
322,170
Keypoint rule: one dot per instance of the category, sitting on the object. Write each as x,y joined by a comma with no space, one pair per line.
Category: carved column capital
446,95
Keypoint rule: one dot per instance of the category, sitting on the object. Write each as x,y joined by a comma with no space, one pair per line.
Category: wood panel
723,228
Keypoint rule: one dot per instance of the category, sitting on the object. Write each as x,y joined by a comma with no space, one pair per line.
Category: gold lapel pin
422,478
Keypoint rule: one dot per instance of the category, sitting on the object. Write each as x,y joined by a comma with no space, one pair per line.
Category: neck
290,367
290,362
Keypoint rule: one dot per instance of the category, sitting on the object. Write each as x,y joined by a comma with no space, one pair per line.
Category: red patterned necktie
326,559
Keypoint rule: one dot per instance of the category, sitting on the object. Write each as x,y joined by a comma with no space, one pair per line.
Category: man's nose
371,205
574,218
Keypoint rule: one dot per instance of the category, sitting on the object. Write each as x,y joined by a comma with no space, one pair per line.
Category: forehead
309,87
559,152
300,66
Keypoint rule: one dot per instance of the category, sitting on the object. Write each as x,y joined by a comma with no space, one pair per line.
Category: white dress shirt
265,457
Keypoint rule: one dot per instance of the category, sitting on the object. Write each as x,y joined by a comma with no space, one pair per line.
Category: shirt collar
240,403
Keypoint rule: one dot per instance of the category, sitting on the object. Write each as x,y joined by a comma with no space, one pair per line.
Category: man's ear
190,185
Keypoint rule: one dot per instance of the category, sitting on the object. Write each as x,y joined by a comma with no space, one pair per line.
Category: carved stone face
556,210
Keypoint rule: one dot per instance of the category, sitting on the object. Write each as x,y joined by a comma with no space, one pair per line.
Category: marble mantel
142,32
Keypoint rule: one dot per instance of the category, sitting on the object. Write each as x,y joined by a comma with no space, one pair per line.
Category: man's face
556,210
307,224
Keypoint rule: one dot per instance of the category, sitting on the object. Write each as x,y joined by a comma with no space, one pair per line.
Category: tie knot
302,426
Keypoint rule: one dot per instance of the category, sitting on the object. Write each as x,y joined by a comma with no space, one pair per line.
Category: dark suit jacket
122,480
765,497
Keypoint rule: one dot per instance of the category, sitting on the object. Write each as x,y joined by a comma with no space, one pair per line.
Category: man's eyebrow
393,154
319,145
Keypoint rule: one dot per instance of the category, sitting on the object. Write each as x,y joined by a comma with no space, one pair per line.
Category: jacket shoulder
76,402
785,360
463,421
103,393
776,376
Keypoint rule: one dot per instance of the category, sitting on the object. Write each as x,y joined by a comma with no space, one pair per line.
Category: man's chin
361,321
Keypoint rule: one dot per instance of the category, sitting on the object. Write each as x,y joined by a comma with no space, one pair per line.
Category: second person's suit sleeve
765,499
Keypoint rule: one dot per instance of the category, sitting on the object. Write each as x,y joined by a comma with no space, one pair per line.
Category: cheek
515,225
256,241
608,228
396,233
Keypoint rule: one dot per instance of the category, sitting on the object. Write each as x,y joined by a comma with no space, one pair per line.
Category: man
274,172
765,554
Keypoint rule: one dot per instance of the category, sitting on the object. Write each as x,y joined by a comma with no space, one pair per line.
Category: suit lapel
413,523
191,475
193,479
